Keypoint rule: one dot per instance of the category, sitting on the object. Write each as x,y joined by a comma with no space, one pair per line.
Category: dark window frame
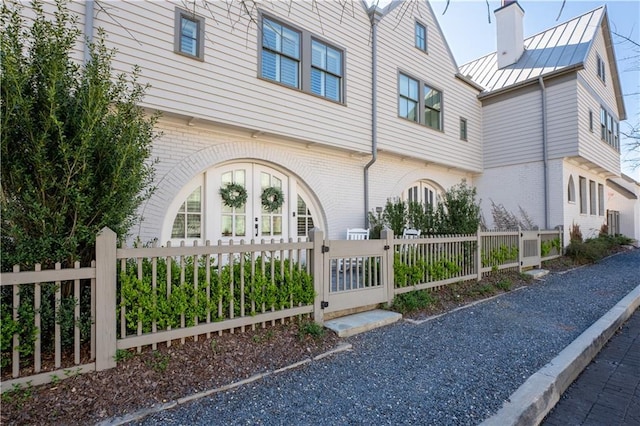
417,39
180,15
422,107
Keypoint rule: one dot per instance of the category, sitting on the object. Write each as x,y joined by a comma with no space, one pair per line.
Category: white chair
411,233
357,234
353,234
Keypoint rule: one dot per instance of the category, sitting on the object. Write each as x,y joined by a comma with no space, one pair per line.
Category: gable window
326,71
409,98
592,197
280,53
189,34
419,102
463,129
601,69
600,199
583,195
421,37
571,191
591,120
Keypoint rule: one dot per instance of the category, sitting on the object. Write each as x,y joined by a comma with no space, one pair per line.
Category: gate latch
324,304
325,249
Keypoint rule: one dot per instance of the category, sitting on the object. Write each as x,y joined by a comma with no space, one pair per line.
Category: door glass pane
266,225
241,226
277,225
227,225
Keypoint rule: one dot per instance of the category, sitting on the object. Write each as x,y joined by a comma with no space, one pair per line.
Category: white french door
252,220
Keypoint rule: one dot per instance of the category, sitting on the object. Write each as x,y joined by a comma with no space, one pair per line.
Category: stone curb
140,414
532,401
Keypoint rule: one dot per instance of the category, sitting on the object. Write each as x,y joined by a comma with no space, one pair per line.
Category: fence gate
529,249
352,281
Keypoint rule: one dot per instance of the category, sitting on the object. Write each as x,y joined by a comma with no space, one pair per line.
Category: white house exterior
343,106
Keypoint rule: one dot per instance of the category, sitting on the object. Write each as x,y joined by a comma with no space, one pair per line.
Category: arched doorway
198,212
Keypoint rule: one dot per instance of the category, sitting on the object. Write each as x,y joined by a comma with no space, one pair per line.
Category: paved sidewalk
608,391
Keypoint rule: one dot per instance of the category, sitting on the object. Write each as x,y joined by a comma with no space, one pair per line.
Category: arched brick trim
171,183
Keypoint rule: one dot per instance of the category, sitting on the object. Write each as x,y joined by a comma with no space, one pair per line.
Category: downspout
88,29
374,115
545,153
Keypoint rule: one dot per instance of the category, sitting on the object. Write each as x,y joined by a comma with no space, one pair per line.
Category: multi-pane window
187,222
326,71
298,59
280,53
189,34
609,129
419,102
463,129
592,197
600,199
421,37
583,195
601,69
409,98
234,219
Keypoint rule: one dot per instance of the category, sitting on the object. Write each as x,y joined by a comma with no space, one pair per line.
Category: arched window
571,190
422,192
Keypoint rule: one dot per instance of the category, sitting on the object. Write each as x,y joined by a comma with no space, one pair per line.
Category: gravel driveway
457,369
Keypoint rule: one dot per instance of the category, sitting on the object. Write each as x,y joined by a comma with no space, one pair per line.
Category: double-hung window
409,98
280,53
609,129
189,34
326,71
421,37
419,102
298,59
601,69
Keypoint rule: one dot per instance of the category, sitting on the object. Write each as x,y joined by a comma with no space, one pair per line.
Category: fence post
520,248
479,253
387,235
105,315
317,268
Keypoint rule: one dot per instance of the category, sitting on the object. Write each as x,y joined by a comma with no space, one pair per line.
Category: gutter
545,153
375,17
88,29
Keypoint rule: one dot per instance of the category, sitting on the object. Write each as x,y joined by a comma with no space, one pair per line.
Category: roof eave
470,82
534,80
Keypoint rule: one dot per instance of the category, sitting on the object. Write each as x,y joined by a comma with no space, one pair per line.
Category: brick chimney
510,38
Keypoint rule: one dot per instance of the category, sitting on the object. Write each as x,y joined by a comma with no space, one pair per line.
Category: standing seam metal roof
561,47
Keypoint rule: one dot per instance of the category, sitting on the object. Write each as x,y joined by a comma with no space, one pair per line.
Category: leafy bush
412,301
289,287
594,249
499,256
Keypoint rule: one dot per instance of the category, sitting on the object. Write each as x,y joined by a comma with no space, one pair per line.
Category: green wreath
233,195
272,198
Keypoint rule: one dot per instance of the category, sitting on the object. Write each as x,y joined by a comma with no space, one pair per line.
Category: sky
470,35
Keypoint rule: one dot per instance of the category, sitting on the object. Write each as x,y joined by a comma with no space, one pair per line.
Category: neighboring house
551,110
343,106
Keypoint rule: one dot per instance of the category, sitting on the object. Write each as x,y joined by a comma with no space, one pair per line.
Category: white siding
513,129
629,208
397,52
225,87
562,119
